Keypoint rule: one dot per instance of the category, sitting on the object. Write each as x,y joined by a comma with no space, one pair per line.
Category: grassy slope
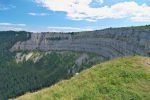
125,78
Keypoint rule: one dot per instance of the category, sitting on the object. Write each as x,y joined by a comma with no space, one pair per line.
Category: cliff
109,43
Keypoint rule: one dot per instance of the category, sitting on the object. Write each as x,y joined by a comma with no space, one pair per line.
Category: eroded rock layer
109,43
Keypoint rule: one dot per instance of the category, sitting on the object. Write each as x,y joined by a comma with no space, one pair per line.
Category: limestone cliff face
108,43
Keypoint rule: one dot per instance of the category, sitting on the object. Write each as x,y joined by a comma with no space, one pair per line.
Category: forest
28,76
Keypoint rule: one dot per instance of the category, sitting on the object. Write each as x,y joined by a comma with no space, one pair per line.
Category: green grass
125,78
142,27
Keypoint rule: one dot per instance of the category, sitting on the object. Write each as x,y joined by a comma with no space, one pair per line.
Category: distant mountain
120,79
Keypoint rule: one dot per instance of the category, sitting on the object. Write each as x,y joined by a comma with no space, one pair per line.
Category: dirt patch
146,62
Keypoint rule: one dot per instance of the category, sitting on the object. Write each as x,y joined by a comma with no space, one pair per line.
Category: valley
33,61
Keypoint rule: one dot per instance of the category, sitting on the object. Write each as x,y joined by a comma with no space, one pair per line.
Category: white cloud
38,14
67,29
16,28
4,28
11,24
81,10
6,7
100,1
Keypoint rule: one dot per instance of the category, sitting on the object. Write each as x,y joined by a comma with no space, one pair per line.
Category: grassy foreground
125,78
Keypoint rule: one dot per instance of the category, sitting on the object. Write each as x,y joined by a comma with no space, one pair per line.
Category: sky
72,15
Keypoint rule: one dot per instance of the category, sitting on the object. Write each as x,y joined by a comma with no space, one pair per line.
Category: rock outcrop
109,43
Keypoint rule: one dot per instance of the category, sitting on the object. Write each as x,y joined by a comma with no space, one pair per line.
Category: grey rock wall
110,43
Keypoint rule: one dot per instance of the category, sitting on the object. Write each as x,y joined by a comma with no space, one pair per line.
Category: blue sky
72,15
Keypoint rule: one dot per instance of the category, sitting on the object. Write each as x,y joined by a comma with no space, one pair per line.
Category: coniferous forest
29,76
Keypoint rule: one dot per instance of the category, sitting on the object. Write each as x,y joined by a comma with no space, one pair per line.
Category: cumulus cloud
38,14
67,29
81,10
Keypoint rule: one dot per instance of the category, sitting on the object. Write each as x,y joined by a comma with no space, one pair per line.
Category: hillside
125,78
27,71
